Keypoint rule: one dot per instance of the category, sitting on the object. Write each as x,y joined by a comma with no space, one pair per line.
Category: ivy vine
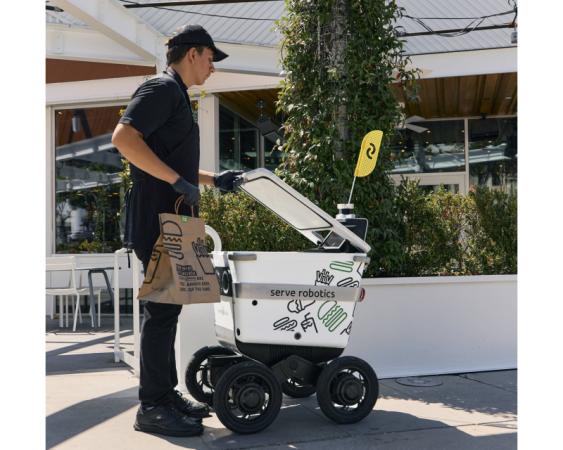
342,56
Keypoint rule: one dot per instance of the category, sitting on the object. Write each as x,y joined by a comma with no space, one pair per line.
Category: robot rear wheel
347,389
198,374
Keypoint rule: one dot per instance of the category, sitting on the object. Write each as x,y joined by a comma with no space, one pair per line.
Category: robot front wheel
347,389
247,397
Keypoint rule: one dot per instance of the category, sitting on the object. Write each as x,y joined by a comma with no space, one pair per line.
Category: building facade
460,132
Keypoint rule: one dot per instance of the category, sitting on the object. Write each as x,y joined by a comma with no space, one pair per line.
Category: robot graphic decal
297,306
285,324
331,315
342,266
309,322
348,282
324,278
347,330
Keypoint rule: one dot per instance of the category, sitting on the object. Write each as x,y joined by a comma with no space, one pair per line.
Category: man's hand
224,180
188,190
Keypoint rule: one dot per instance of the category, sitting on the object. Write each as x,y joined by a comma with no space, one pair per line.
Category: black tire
347,389
197,377
292,388
247,397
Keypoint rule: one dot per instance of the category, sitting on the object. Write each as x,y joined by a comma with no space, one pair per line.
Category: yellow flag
368,153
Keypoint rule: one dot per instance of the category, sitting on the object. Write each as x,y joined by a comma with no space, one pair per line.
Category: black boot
168,420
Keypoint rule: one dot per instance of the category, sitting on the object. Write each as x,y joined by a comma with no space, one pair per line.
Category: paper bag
180,270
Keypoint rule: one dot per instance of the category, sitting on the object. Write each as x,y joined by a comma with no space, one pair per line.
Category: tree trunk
339,50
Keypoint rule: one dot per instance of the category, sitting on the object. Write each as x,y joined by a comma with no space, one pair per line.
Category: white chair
67,264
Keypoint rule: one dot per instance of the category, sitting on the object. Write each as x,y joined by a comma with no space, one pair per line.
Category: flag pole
352,190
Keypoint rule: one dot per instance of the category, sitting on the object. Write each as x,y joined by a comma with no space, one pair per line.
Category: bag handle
177,204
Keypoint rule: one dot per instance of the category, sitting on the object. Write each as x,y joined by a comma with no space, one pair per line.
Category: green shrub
440,233
453,234
493,232
432,227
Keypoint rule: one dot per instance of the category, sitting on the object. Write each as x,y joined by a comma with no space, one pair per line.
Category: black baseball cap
196,35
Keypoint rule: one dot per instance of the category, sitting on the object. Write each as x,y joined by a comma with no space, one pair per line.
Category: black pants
158,361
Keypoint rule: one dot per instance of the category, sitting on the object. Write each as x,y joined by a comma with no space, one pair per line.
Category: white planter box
404,326
436,325
410,326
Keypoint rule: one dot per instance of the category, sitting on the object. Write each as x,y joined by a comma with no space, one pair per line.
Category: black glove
188,190
225,179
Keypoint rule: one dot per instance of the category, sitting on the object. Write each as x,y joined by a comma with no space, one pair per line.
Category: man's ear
190,54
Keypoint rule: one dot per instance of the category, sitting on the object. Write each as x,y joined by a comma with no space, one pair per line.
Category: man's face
203,65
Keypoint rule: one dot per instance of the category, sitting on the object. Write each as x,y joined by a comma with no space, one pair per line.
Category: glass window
430,146
238,142
430,188
249,145
493,153
227,144
88,188
272,155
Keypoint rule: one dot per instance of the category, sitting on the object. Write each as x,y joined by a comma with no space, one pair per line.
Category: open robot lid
295,209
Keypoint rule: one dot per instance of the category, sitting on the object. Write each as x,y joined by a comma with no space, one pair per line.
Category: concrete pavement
91,404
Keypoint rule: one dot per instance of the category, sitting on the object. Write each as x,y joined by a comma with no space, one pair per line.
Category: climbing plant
341,58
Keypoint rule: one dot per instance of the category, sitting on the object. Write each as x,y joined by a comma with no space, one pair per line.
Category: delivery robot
285,318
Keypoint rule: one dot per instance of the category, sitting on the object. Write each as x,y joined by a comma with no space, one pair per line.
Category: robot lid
295,209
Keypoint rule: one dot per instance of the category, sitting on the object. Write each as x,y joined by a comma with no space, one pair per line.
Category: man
158,135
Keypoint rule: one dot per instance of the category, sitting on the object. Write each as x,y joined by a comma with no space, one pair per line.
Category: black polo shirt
160,110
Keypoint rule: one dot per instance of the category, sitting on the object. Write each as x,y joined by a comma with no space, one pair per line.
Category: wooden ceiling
244,102
62,70
98,120
476,95
441,97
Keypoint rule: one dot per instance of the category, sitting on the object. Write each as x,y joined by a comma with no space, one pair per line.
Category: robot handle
215,238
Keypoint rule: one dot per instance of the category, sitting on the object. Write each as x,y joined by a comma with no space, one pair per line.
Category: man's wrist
177,185
175,179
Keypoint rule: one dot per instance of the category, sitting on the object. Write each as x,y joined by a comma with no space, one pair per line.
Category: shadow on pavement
382,429
82,416
459,393
58,361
